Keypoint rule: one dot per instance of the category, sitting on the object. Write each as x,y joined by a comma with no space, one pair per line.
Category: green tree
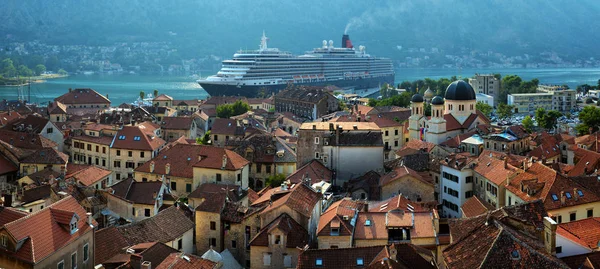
276,180
590,119
204,140
527,123
8,69
40,69
405,85
498,76
484,108
427,109
546,120
62,72
401,100
504,111
155,92
386,91
372,102
230,110
24,71
142,94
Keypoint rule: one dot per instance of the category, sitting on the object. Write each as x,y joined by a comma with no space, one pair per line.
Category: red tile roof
586,232
314,170
82,96
137,192
475,207
375,230
399,173
136,138
6,166
57,108
35,194
24,140
489,241
301,199
297,236
166,226
341,212
586,162
225,127
182,158
583,261
42,232
542,182
47,156
87,175
494,167
9,214
396,202
8,117
177,123
163,97
108,243
177,261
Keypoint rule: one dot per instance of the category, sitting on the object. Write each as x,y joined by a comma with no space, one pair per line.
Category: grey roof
358,138
460,90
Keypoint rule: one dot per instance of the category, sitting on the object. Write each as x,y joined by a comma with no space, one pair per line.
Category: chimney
224,162
562,198
575,194
550,235
146,265
393,252
154,195
152,167
90,220
167,168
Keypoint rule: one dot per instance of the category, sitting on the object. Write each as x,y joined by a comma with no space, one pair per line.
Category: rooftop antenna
263,41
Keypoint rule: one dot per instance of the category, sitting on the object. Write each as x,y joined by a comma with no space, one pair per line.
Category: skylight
515,254
136,138
580,193
368,222
360,261
319,262
121,137
568,194
554,197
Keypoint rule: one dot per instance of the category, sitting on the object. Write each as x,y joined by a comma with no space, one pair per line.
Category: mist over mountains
386,28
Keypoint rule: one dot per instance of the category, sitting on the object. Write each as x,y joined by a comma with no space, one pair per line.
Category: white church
450,116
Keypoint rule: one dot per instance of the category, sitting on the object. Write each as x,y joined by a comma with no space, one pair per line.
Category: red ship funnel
346,43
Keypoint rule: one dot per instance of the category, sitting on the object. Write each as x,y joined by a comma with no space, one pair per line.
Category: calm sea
126,88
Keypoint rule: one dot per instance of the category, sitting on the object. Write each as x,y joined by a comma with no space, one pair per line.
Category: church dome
438,100
417,98
460,90
429,94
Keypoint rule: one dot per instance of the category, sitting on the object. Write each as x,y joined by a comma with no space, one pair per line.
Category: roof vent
130,251
186,258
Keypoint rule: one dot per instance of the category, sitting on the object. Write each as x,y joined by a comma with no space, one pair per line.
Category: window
173,185
319,262
117,164
129,165
580,193
335,231
97,161
554,197
316,140
213,225
568,194
360,262
590,213
49,130
368,222
133,211
97,148
136,138
180,244
469,179
86,252
559,219
258,168
386,133
468,194
396,143
147,212
74,260
396,132
104,150
212,242
267,259
89,147
104,162
233,244
130,153
239,177
60,265
188,187
509,200
141,154
558,250
218,177
572,216
277,239
118,176
287,261
4,240
317,155
216,138
268,168
121,137
118,153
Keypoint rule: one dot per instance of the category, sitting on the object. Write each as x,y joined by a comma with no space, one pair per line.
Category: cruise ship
269,70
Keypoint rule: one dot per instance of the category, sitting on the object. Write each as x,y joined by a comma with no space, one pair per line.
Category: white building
484,98
456,184
486,84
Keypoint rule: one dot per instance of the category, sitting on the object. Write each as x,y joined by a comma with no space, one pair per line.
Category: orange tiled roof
399,173
341,211
301,199
315,170
87,175
493,168
585,232
136,138
475,207
82,96
44,233
177,261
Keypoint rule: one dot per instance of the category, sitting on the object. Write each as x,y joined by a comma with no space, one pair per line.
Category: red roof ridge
39,211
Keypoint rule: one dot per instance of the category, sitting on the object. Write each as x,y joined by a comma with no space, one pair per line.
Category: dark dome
417,98
460,90
438,100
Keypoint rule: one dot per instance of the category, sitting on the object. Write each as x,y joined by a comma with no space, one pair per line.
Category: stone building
306,102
